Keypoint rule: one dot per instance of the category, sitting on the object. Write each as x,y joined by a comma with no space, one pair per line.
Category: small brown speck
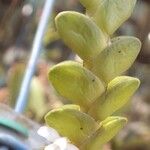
93,80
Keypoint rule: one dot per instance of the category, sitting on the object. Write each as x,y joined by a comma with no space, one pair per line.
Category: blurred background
18,24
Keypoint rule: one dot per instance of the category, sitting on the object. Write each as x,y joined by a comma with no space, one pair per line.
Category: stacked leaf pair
95,86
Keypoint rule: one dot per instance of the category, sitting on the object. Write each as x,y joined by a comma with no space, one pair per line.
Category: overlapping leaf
76,83
109,14
115,59
107,130
118,93
71,123
81,34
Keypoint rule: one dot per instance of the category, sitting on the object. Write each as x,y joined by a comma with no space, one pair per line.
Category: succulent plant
95,86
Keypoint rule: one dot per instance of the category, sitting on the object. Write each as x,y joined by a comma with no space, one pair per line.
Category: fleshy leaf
71,123
107,130
76,83
118,93
80,33
116,58
110,14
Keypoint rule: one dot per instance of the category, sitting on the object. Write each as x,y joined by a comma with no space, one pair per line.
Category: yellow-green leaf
119,91
80,33
116,58
76,83
107,130
71,123
110,14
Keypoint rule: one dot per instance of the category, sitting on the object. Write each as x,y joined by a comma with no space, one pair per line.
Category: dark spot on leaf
93,80
81,128
119,51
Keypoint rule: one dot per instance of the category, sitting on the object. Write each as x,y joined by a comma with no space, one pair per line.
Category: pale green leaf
107,130
118,93
110,14
76,83
71,123
81,34
116,58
